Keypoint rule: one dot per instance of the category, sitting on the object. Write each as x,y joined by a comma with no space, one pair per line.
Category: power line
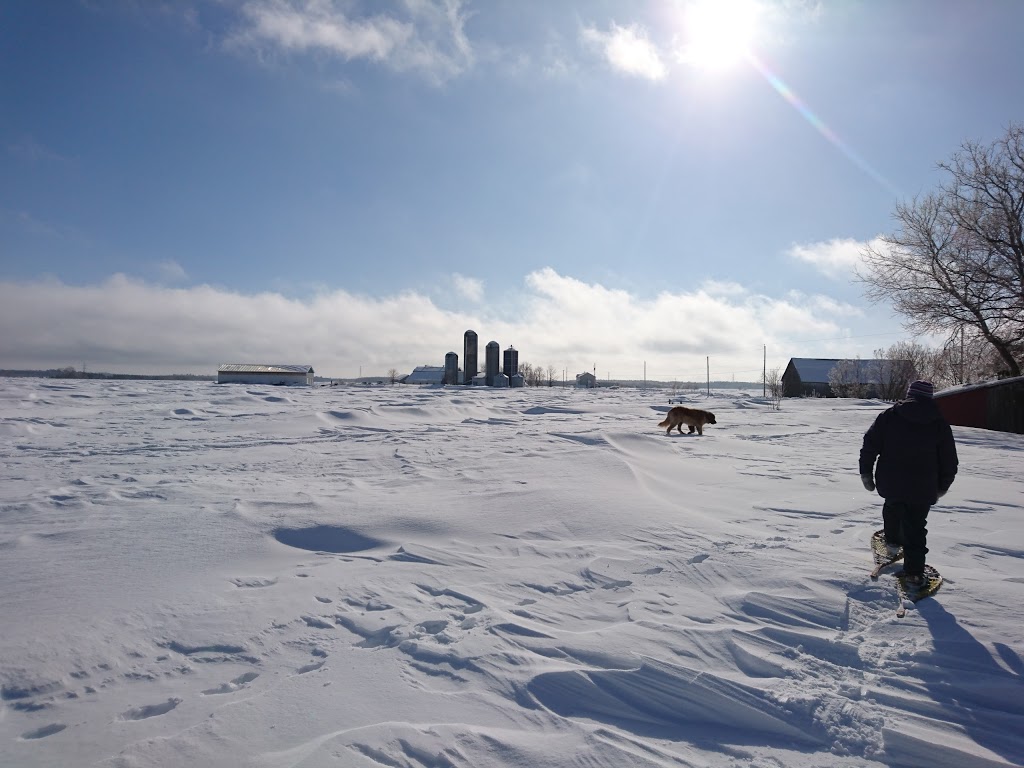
846,338
693,376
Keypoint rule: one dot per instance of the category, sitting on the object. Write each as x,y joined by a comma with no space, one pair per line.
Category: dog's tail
664,423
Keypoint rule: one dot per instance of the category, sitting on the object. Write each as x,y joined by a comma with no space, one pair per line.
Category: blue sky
354,184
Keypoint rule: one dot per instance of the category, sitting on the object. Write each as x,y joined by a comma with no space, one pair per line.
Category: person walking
917,463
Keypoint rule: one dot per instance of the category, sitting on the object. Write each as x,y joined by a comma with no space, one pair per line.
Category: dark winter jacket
915,450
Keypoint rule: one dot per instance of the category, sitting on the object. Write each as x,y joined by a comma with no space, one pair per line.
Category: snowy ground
195,574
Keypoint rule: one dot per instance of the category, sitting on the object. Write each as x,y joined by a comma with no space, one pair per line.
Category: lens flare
780,86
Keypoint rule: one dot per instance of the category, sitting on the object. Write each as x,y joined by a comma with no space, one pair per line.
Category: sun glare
718,33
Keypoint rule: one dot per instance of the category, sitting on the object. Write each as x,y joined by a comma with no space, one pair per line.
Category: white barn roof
264,368
426,374
979,385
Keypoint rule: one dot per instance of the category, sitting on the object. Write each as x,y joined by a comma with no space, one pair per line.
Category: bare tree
922,359
970,358
897,366
962,363
848,378
773,380
393,374
551,375
957,260
533,375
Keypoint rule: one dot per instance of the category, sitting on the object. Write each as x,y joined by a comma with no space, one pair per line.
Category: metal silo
510,366
491,361
451,368
469,356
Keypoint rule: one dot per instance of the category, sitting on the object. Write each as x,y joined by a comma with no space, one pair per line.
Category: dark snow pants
905,524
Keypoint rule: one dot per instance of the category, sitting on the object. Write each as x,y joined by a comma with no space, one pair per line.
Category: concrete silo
451,368
469,356
510,363
491,362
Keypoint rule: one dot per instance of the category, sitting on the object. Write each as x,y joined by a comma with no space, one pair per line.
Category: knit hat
922,390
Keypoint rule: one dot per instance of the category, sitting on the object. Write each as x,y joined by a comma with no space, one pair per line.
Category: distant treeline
72,373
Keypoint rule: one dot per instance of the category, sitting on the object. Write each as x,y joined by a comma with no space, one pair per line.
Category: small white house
258,373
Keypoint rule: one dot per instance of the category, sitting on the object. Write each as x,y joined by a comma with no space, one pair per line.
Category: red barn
997,405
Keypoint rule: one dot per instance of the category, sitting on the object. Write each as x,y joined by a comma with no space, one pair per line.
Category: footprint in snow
253,583
237,684
656,570
150,710
46,730
433,627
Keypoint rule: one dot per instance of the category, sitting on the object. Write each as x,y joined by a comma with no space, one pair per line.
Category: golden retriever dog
692,417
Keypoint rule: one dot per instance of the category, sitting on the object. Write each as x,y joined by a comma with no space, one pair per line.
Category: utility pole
709,374
764,373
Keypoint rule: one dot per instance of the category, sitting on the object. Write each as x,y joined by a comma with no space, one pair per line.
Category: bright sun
719,33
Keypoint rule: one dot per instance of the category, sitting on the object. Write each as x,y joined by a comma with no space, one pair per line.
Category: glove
869,483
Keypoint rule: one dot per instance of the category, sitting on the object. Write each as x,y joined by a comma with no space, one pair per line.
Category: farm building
809,377
426,374
996,405
586,380
256,373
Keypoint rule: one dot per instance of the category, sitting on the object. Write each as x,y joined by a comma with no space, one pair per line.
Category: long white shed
258,373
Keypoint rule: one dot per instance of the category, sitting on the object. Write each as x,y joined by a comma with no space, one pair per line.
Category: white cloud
469,288
837,258
128,325
673,332
429,39
825,305
171,271
722,288
34,151
628,50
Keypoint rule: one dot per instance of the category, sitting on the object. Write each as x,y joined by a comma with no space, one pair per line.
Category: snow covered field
194,574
